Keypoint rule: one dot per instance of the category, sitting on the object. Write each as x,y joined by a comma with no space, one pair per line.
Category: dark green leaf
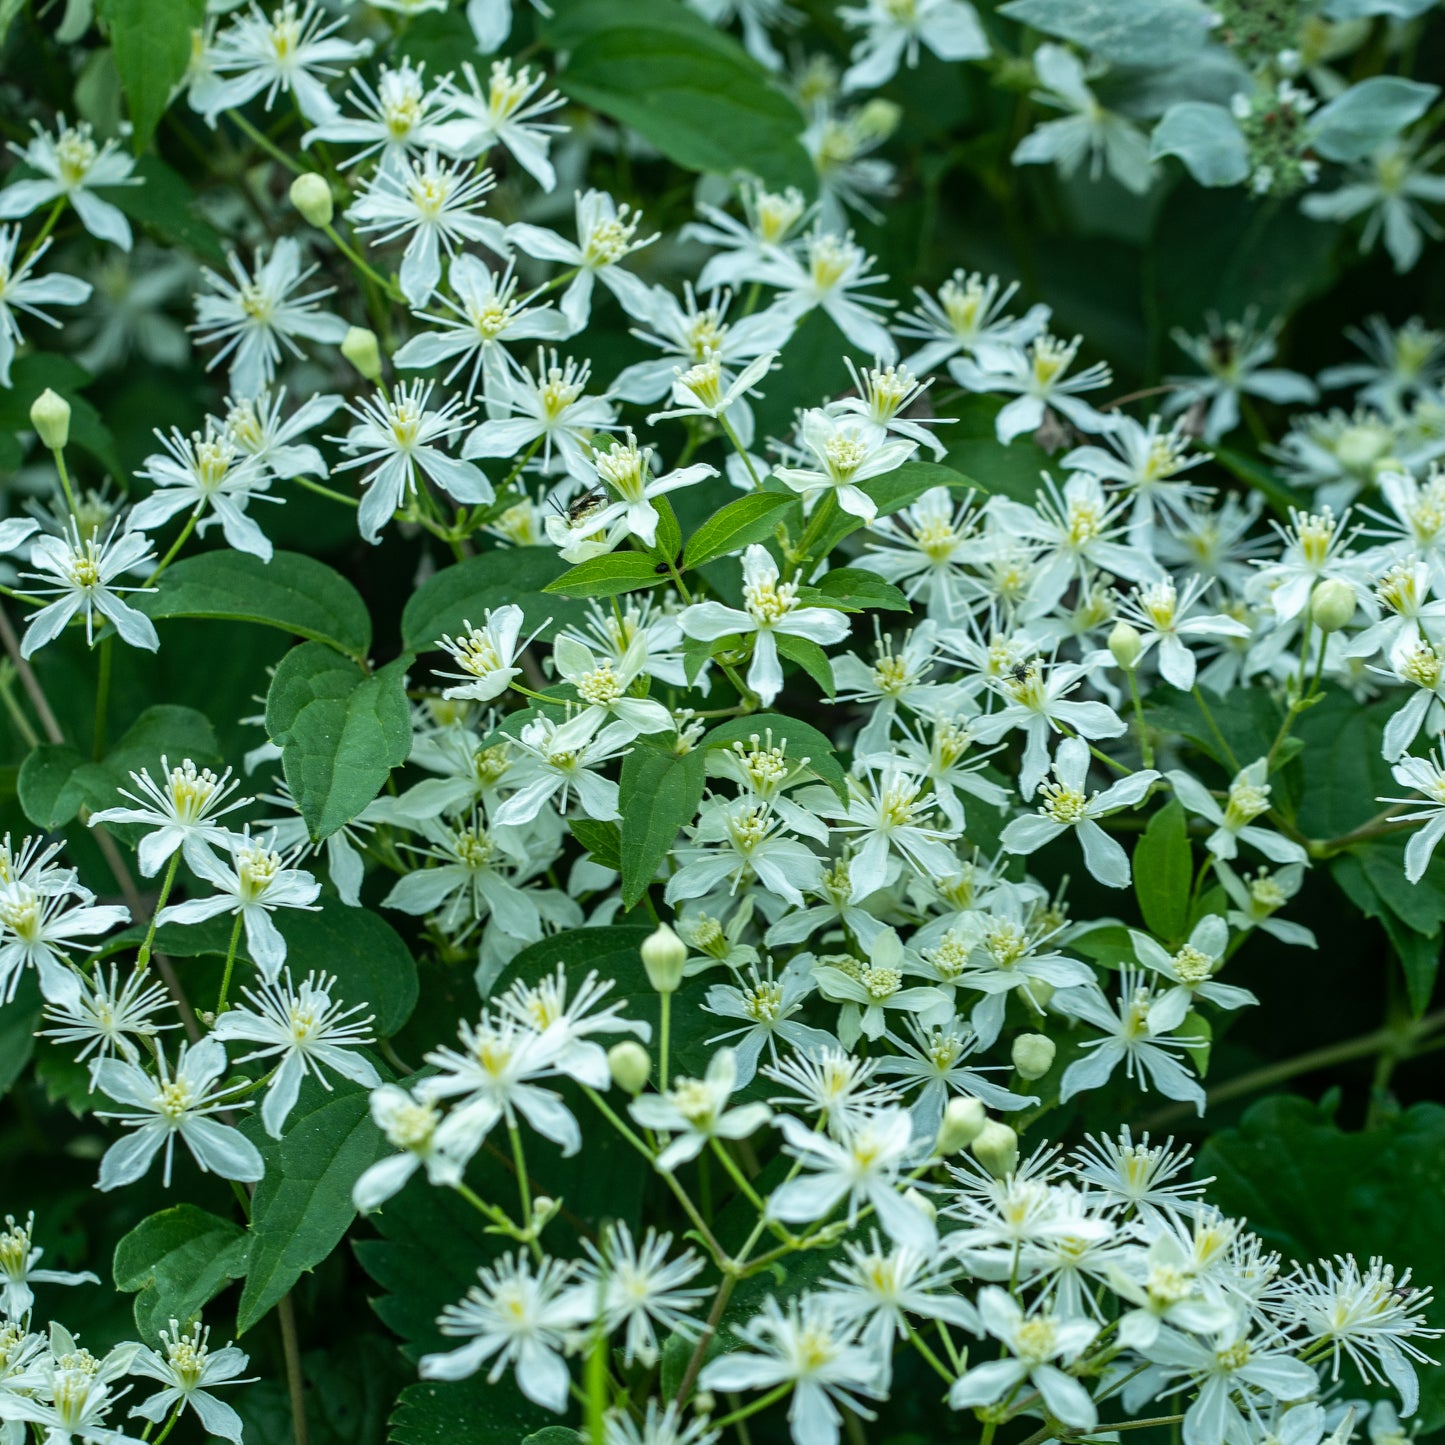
660,792
152,43
810,657
29,376
684,85
602,840
293,592
165,205
340,732
18,1021
176,1262
610,575
856,588
303,1206
1163,872
49,791
751,518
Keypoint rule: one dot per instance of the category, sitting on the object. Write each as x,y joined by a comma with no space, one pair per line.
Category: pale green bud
963,1120
312,197
1126,645
1332,604
997,1149
663,955
1033,1055
878,119
50,416
630,1065
922,1202
361,349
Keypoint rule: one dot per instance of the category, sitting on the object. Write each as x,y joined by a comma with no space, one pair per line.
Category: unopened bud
1033,1055
878,119
360,348
963,1120
704,1403
312,197
663,955
630,1065
921,1202
997,1149
50,416
1332,604
1126,645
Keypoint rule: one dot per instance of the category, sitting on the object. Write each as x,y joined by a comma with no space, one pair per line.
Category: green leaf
803,741
895,490
661,792
668,545
29,376
463,593
1359,121
152,43
18,1021
856,588
340,732
1127,32
602,840
810,657
302,1208
610,575
1163,872
166,206
293,592
751,518
49,791
684,85
176,1262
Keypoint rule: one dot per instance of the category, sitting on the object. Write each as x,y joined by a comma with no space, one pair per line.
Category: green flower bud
922,1202
1332,604
663,955
997,1149
630,1065
50,416
360,348
1126,645
963,1121
1033,1055
312,197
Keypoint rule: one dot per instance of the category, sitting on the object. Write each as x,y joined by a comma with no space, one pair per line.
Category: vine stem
230,962
291,1349
144,956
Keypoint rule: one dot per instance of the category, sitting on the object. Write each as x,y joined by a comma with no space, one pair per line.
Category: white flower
484,316
812,1348
862,1162
968,311
67,1393
308,1029
287,50
436,205
603,685
487,654
1162,615
397,436
626,470
1256,899
1037,371
397,119
1089,133
696,1111
1247,798
633,1283
491,21
174,1104
182,812
82,573
38,930
188,1373
1423,776
520,1317
897,28
563,759
411,1126
1067,805
71,165
22,290
890,811
506,114
848,449
549,406
606,234
1033,1343
257,882
18,1260
765,1006
107,1009
254,424
750,246
1148,1055
753,845
205,470
835,277
254,315
1191,971
709,389
771,608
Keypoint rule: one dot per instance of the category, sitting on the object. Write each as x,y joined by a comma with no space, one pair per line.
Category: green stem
392,290
741,450
59,454
1214,728
738,1177
266,143
326,492
43,233
171,1423
174,548
524,1187
230,962
102,697
664,1041
295,1387
761,1403
1146,745
144,956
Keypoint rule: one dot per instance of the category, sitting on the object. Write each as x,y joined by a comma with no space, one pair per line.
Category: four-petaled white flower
70,166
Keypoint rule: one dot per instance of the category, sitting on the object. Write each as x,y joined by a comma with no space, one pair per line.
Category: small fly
579,507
